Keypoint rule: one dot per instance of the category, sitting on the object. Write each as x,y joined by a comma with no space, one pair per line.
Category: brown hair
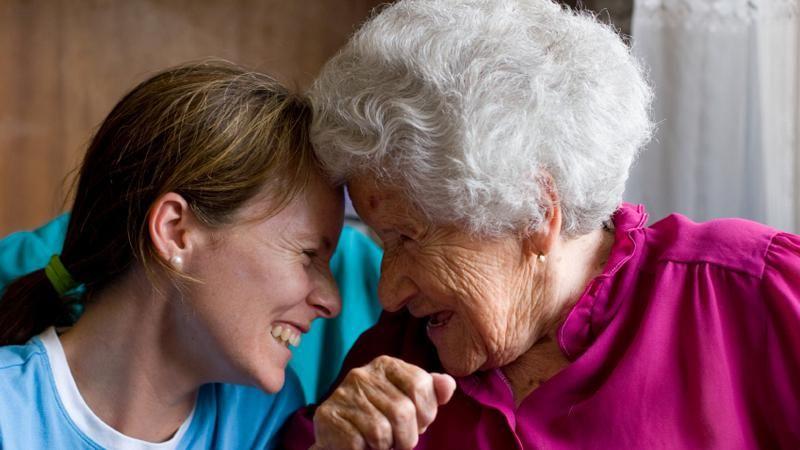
212,132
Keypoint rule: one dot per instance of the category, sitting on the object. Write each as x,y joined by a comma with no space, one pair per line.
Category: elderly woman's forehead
373,197
369,192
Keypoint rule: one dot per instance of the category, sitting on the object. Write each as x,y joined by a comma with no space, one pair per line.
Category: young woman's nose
325,298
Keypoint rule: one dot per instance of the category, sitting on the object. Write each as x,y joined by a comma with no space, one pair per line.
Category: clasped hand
386,404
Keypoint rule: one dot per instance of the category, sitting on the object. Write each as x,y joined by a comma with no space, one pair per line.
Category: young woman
200,234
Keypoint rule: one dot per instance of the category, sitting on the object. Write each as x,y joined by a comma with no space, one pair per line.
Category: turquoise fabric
226,416
355,265
26,251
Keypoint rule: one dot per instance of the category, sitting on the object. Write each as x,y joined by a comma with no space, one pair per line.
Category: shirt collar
594,307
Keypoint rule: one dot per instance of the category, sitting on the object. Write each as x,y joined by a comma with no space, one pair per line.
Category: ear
172,224
543,239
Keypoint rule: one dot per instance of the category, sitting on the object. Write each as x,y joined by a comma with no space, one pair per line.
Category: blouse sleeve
781,294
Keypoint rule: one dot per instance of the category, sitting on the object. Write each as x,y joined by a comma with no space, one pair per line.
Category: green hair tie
59,276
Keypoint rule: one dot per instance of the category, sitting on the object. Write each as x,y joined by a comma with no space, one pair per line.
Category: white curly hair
476,107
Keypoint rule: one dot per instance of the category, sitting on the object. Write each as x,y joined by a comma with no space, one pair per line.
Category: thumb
444,385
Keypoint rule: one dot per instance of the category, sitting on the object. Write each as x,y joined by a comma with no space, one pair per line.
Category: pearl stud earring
541,257
176,261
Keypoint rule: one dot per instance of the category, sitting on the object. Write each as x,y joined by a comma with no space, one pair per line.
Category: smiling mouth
439,319
285,335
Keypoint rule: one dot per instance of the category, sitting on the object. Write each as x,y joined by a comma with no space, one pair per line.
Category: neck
128,365
569,270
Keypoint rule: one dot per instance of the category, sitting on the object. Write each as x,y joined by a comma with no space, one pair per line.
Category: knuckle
384,361
379,435
425,417
323,412
404,411
359,374
422,383
340,395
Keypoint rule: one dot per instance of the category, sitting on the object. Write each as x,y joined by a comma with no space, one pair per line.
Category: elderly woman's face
479,295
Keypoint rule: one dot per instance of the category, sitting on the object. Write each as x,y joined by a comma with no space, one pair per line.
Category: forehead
317,209
379,203
368,195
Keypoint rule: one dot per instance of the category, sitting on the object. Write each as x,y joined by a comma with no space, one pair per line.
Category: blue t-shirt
33,414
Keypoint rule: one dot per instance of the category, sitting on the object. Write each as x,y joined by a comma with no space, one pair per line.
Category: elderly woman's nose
395,291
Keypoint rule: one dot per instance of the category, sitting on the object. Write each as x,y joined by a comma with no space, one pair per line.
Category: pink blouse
689,339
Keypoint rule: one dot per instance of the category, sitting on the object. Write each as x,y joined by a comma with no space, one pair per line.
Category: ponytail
30,305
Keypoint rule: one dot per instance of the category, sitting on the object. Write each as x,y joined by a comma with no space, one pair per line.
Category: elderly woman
487,143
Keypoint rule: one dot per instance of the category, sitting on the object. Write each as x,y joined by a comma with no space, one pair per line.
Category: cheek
490,330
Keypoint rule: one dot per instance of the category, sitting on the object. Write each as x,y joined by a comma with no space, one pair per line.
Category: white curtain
727,107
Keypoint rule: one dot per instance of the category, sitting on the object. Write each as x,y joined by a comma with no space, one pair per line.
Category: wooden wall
64,63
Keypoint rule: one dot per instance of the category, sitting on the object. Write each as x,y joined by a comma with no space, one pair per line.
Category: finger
398,409
417,385
334,432
444,385
372,423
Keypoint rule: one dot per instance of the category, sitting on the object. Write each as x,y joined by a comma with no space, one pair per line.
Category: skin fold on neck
569,269
128,365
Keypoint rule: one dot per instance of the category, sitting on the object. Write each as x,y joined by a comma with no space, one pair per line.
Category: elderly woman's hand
386,404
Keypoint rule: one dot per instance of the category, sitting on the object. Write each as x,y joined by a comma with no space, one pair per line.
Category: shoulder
24,374
16,361
29,409
736,244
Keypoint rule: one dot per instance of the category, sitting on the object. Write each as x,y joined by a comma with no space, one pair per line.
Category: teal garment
26,251
355,265
33,416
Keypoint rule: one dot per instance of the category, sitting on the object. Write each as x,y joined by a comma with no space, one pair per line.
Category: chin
270,380
264,373
458,365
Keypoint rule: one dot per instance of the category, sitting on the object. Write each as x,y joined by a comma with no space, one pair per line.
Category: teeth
285,335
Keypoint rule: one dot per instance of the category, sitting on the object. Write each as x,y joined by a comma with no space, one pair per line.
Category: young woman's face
263,283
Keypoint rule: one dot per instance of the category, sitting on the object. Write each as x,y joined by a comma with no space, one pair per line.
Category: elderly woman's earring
176,261
541,257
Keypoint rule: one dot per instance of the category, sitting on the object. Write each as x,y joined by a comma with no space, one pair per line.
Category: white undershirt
80,413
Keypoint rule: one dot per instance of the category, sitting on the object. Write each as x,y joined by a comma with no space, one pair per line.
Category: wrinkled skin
495,288
386,404
488,302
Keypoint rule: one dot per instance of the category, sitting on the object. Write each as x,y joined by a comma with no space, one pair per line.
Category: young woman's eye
311,254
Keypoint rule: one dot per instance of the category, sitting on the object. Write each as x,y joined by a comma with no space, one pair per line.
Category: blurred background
725,74
65,63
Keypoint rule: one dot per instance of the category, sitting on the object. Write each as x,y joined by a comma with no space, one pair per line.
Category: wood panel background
65,63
